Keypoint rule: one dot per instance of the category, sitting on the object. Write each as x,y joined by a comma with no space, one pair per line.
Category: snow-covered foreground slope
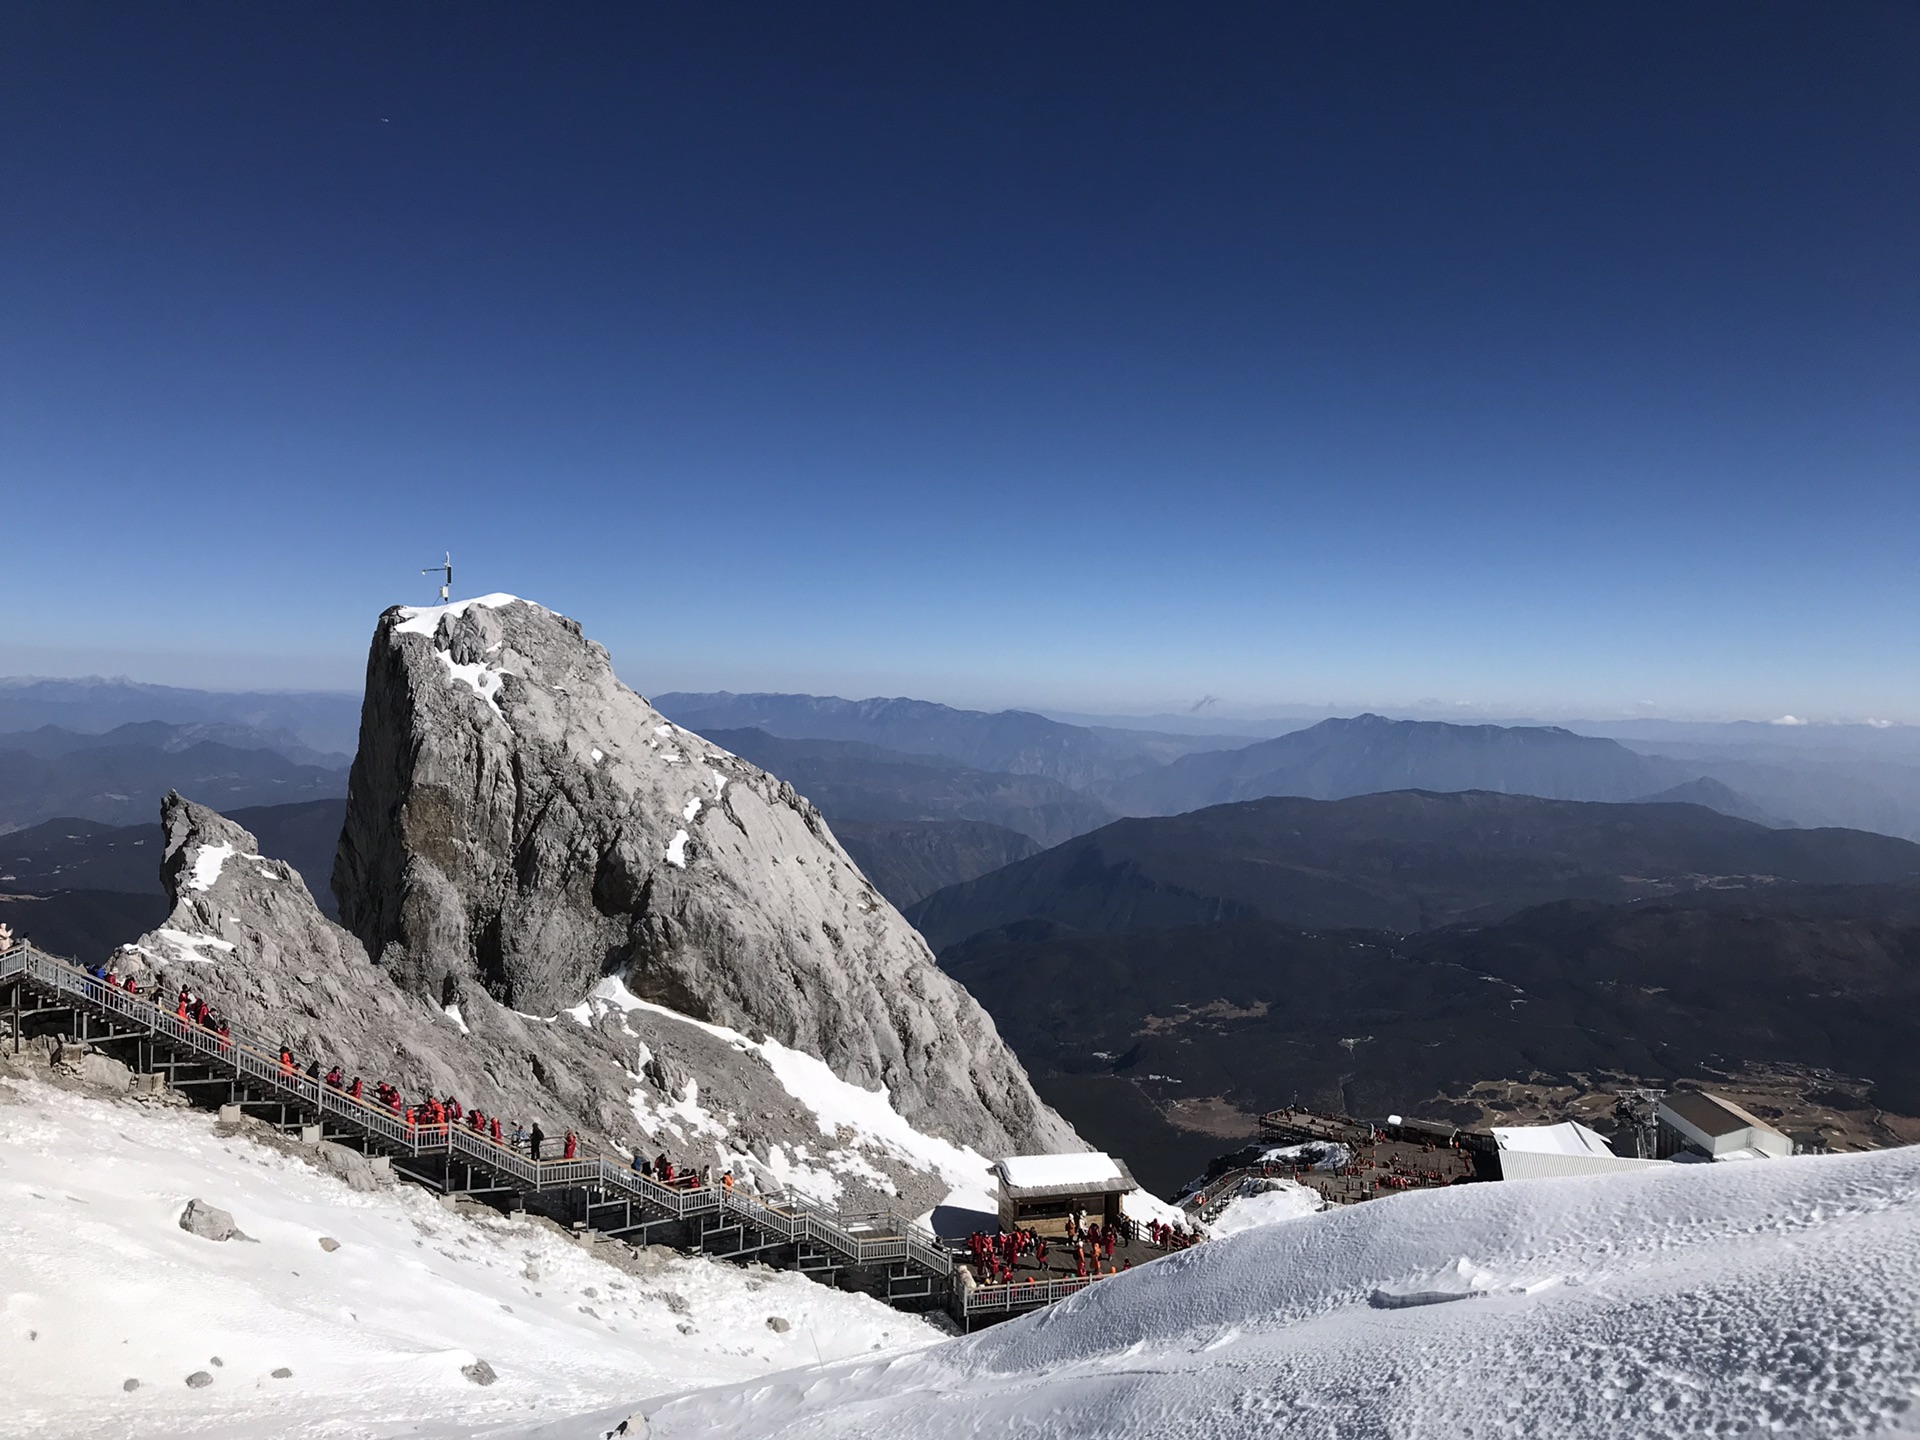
99,1284
1779,1297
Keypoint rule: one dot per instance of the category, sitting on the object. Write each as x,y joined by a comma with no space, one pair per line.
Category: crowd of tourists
1085,1247
433,1115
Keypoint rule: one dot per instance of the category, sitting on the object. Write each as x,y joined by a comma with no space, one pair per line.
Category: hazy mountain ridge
1370,753
852,780
1015,741
324,720
1400,862
119,778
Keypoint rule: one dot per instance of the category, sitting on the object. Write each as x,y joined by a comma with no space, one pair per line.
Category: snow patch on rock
207,862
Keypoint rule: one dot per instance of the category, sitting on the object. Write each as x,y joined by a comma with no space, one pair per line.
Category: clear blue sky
1553,358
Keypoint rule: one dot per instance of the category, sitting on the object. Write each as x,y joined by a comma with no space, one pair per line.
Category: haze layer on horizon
1541,362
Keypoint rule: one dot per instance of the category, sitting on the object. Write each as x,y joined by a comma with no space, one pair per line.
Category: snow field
1769,1298
98,1284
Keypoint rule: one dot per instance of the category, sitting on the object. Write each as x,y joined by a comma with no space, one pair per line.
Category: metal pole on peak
445,570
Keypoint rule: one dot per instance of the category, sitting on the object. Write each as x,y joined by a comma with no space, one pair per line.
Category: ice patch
719,782
598,755
677,849
692,808
452,1012
207,861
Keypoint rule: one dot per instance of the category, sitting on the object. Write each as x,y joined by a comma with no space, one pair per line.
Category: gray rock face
348,1166
479,1372
246,935
199,1380
89,1067
521,823
210,1222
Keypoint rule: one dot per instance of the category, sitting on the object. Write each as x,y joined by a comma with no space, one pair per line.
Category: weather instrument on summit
445,570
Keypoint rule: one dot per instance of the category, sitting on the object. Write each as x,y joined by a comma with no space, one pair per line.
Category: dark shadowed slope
1366,754
909,860
1258,1015
1399,862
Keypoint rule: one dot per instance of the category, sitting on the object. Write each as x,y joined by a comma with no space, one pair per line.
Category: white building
1549,1152
1693,1122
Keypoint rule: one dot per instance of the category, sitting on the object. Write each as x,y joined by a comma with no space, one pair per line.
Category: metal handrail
1009,1297
796,1219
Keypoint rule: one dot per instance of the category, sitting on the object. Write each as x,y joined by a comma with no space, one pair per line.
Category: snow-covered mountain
1774,1297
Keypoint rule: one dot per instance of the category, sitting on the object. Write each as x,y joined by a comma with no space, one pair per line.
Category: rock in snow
485,846
209,1222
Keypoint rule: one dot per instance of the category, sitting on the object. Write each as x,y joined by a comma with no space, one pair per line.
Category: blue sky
1547,359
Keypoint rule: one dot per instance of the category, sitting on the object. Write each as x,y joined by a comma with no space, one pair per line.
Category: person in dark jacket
536,1138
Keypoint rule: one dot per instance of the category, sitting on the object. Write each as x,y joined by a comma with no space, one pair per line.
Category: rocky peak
521,823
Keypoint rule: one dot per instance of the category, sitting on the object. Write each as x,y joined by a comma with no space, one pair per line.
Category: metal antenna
445,570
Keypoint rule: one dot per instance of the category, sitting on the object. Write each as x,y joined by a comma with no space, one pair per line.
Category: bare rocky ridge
522,825
244,932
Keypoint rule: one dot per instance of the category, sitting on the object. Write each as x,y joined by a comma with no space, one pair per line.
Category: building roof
1709,1114
1569,1137
1089,1172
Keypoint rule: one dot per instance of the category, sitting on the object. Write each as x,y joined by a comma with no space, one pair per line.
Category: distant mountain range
1015,741
320,722
918,823
1400,862
1369,753
119,777
852,780
1858,777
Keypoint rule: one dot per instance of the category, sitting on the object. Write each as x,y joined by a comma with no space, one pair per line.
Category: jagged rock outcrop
521,824
245,934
